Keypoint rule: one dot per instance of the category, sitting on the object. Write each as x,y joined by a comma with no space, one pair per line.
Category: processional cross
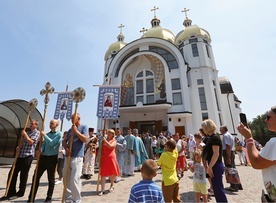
48,90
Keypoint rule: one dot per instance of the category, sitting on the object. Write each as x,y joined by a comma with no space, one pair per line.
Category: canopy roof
13,115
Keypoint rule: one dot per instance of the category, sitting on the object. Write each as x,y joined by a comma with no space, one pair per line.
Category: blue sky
64,42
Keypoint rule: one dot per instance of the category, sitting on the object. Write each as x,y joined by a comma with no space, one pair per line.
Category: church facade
169,82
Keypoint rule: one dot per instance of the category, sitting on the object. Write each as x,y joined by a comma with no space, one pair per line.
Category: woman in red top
109,164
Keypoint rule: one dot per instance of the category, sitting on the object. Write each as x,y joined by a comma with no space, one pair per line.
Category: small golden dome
116,46
192,31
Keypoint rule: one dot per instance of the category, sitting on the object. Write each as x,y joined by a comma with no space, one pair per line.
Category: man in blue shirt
80,136
48,160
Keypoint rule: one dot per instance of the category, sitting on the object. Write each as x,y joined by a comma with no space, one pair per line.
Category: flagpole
61,124
100,155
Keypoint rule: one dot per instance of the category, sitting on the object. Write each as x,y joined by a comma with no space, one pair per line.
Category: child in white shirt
199,180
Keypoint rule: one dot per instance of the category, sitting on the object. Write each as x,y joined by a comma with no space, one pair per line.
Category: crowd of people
75,155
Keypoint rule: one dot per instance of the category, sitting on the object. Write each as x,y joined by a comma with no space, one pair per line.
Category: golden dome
160,32
116,46
192,31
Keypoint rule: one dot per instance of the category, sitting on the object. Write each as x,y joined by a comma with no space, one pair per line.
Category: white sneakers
58,182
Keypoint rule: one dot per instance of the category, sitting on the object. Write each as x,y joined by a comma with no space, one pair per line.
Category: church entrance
147,126
180,130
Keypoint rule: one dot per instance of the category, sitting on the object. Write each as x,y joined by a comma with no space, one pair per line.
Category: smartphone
243,119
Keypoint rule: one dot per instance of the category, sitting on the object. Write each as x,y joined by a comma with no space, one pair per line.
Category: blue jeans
219,192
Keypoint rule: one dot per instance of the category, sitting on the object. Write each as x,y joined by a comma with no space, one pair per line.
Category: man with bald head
48,159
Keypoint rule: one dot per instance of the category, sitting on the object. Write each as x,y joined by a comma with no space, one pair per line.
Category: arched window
144,87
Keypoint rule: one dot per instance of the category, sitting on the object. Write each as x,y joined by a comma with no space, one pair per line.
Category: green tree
260,131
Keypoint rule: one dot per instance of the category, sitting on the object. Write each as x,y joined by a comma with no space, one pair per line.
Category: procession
122,167
74,155
150,115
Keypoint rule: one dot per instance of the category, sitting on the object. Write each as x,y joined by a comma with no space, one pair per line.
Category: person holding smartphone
265,159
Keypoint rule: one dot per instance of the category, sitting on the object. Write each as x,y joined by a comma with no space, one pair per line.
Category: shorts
200,188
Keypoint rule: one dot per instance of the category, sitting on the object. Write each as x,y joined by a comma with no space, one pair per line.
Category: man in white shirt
228,152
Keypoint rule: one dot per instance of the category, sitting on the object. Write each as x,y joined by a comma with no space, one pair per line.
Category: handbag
232,175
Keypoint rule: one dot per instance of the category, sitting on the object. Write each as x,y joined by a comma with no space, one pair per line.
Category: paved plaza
251,181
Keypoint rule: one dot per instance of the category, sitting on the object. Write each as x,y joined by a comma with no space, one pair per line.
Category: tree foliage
260,131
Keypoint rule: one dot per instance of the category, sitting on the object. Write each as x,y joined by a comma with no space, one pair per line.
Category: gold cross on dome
121,27
143,30
154,10
185,10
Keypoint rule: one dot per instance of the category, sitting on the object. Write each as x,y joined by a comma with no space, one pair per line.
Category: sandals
111,188
101,193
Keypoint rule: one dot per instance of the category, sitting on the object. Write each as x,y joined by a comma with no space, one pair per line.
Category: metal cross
121,28
144,30
154,10
185,10
48,90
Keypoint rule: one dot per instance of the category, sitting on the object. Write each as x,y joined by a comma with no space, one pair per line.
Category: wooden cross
121,27
143,30
154,10
185,10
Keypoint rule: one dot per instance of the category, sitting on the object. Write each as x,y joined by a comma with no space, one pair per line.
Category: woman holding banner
109,165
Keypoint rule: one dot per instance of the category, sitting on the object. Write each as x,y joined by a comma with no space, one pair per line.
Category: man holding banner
80,136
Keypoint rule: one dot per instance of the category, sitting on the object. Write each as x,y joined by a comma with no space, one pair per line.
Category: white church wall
195,74
204,59
231,113
188,55
190,127
237,121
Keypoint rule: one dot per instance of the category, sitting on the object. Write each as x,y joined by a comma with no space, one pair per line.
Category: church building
169,82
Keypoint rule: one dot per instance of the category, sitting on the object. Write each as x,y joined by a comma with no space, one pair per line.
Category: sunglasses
268,117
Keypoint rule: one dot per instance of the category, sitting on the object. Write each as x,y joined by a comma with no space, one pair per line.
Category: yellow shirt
167,161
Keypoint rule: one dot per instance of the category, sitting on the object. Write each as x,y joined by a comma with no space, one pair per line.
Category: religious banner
108,101
64,106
